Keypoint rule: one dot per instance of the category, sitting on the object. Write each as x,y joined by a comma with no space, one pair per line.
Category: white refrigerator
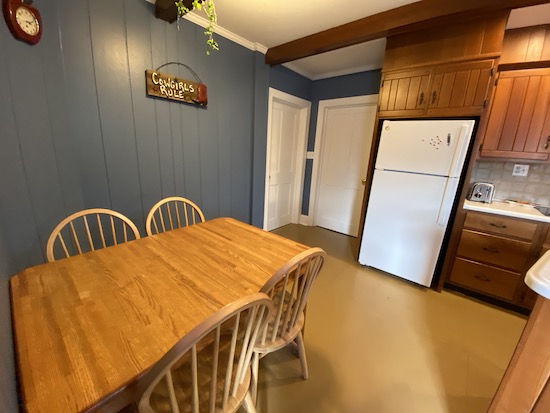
416,177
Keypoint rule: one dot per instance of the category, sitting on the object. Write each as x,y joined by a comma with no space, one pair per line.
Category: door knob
364,181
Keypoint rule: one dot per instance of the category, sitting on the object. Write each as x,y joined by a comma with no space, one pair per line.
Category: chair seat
283,340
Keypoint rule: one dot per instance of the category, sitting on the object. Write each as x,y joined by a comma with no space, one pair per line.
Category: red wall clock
23,20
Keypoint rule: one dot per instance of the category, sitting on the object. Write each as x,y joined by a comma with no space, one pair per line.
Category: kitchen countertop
538,276
507,209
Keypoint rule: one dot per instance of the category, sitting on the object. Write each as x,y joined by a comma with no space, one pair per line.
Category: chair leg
302,354
249,404
254,379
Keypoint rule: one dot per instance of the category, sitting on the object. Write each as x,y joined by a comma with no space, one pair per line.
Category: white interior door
287,127
346,136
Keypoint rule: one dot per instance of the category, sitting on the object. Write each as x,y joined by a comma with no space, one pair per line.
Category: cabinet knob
434,97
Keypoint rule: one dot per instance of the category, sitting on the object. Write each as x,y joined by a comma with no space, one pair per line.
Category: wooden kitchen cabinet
493,254
526,46
460,89
405,92
454,89
518,123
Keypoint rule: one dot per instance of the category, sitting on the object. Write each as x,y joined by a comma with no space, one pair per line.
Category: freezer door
435,147
405,223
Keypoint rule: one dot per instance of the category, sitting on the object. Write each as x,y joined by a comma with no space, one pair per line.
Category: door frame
304,107
317,154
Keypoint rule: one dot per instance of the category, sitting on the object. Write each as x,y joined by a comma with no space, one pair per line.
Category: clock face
26,20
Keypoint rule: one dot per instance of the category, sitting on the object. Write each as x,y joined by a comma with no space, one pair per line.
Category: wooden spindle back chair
171,213
289,289
88,230
208,370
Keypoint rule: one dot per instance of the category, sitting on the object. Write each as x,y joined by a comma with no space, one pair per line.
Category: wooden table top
86,327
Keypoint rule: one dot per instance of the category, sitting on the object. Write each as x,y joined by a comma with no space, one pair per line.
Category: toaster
482,192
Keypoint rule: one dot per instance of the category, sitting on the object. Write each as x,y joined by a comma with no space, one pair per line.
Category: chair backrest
88,230
171,213
208,370
289,288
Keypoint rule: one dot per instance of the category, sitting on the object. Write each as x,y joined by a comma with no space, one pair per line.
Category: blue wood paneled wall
77,130
8,397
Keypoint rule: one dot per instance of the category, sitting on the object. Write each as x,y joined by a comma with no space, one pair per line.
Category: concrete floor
378,344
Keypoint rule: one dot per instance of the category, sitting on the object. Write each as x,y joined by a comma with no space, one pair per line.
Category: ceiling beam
411,17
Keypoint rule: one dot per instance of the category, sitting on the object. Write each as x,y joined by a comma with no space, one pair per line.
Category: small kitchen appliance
482,192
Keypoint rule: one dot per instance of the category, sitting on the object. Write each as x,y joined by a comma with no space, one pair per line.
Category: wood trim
432,63
541,64
460,217
514,155
525,380
406,19
368,181
452,43
526,45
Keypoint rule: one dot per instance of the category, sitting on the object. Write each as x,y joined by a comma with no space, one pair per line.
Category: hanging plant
210,11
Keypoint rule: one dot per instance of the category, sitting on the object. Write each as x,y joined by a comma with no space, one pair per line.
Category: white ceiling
261,24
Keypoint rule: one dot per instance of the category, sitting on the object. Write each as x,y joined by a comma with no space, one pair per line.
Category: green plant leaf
210,11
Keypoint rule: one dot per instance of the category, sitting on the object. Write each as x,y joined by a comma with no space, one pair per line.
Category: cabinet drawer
502,252
500,225
483,278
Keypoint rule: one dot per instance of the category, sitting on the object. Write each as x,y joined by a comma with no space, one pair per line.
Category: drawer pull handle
482,278
491,249
501,226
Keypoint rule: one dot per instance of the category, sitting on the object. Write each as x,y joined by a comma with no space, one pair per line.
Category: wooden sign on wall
169,87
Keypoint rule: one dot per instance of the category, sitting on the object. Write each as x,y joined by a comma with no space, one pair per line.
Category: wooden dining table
86,328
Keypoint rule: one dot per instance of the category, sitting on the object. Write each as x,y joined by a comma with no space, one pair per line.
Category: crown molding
203,22
219,30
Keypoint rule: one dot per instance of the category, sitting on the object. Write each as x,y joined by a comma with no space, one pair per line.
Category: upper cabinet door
455,89
460,89
518,124
404,93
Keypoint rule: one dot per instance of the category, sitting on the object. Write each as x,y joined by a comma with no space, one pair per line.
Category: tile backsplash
535,187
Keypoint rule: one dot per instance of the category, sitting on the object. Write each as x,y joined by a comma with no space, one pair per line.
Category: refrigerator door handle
447,201
460,150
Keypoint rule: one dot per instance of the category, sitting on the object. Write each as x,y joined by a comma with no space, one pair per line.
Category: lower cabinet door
486,279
